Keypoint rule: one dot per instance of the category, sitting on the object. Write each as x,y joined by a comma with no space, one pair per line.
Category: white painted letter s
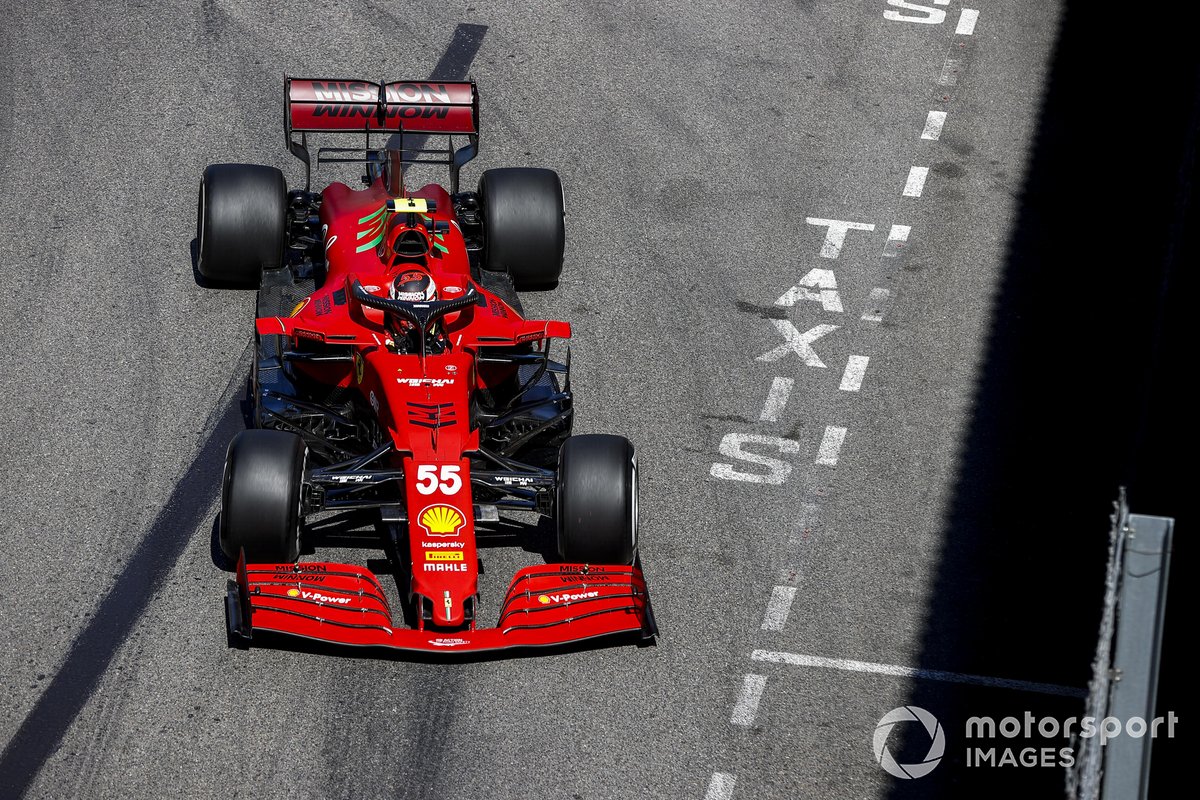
731,447
932,16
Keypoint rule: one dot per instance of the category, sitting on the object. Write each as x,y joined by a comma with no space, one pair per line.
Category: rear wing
440,108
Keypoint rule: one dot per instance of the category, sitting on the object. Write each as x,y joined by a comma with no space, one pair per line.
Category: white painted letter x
797,342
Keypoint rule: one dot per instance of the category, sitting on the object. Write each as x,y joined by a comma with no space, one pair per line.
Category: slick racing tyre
260,496
241,220
523,229
597,509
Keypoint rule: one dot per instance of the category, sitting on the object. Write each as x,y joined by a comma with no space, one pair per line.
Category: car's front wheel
260,496
597,504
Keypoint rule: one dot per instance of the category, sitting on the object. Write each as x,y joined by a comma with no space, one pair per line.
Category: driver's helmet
414,285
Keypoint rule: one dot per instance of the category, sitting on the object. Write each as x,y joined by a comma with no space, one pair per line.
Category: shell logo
441,520
293,592
543,599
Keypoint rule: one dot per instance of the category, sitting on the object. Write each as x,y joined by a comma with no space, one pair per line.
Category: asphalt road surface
701,145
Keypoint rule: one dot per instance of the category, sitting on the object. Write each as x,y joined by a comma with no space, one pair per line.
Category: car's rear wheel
597,508
260,496
241,222
523,227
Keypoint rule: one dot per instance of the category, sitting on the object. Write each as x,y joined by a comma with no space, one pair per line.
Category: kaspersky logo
441,520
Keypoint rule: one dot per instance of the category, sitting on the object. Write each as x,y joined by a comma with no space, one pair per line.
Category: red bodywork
424,404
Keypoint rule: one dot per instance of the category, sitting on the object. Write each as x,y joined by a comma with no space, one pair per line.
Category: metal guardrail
1083,782
1124,680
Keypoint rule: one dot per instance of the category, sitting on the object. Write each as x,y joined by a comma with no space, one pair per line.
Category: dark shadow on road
1076,396
114,618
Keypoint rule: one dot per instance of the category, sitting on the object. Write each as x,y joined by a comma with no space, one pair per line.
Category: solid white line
852,378
747,703
876,305
966,22
950,72
933,125
897,236
916,181
778,608
831,445
848,665
777,397
721,786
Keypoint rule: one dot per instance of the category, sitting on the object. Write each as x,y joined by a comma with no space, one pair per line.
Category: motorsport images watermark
937,742
988,740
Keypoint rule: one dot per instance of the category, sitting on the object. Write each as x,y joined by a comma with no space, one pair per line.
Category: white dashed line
933,125
916,181
835,237
831,445
966,22
777,397
847,665
746,708
876,305
950,70
721,786
778,608
807,516
852,378
897,237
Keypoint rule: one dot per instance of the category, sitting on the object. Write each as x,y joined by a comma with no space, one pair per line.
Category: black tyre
523,228
597,506
260,496
241,219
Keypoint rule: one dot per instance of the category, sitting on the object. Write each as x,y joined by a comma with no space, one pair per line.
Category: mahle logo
937,742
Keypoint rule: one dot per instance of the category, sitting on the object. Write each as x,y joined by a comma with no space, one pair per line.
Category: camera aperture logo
937,742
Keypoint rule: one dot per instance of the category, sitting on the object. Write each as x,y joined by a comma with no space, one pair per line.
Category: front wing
344,604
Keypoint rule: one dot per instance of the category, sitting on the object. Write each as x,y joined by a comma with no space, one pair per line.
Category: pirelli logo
444,555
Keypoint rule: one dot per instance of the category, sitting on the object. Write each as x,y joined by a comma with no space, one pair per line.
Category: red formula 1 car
397,385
